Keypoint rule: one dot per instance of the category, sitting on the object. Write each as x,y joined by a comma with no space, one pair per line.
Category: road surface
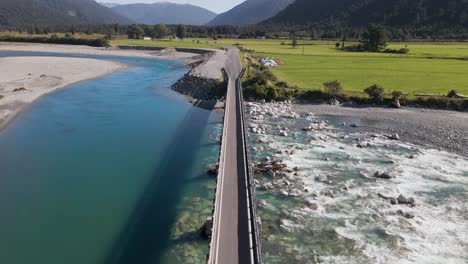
231,234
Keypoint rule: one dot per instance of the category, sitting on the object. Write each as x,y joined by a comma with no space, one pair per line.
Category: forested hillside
251,12
56,12
435,16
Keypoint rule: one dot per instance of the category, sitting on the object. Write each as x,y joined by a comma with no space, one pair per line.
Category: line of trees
250,31
158,31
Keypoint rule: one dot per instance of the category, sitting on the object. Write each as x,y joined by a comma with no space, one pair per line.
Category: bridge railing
219,186
254,219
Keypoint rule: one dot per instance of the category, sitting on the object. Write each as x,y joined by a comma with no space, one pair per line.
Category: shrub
396,95
452,94
54,39
375,92
333,88
397,51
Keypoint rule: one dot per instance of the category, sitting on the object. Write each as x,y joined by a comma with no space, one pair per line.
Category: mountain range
164,12
392,13
251,12
56,12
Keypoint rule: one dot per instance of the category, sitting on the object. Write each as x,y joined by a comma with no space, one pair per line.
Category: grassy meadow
429,68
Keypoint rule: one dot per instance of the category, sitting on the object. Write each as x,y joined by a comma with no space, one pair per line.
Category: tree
375,92
294,42
135,32
160,31
181,31
375,38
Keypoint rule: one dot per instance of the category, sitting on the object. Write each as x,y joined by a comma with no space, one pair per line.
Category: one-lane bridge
235,235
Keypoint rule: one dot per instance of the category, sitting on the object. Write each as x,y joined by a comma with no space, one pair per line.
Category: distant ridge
251,12
165,12
429,14
56,12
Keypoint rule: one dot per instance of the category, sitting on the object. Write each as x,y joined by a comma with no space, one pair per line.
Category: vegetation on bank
261,83
56,39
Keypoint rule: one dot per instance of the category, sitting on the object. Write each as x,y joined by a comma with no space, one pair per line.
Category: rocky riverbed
332,191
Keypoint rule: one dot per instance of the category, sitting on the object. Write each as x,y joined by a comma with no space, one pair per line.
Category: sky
217,6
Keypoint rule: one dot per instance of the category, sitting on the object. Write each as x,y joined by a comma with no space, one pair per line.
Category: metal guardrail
219,185
254,219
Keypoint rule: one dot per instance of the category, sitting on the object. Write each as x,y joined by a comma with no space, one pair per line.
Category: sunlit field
429,68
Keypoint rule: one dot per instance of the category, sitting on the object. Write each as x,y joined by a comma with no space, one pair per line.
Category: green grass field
429,68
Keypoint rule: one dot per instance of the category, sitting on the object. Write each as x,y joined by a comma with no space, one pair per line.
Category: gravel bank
445,130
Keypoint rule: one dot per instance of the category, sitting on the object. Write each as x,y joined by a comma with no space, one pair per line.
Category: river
110,170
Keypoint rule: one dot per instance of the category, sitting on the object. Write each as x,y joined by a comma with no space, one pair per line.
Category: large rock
384,175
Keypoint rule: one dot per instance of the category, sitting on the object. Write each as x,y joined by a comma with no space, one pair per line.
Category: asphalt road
232,238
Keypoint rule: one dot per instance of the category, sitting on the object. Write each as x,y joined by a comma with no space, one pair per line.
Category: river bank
25,79
441,129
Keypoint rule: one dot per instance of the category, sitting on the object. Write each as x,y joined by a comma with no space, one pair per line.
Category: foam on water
336,172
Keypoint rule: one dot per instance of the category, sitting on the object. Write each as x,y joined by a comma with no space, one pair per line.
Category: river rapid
329,194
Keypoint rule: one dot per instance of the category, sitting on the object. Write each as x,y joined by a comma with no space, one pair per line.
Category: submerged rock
262,203
212,170
394,137
407,201
311,205
384,175
406,215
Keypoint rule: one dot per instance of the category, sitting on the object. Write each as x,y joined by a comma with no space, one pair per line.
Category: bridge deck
231,235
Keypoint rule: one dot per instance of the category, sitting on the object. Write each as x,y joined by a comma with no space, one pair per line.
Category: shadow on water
146,235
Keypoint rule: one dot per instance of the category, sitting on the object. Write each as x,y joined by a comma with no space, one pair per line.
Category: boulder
406,215
334,102
394,137
262,203
212,170
396,103
384,175
407,201
311,205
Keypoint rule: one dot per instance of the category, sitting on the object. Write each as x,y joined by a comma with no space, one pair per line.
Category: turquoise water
103,171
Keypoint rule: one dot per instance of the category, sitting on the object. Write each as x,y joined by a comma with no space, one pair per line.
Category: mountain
56,12
392,13
167,13
251,12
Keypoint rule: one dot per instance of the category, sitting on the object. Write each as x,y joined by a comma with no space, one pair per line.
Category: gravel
440,129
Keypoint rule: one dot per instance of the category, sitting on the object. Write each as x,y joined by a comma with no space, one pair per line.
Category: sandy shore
444,130
21,81
86,50
24,79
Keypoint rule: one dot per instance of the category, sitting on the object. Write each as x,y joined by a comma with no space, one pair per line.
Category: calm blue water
101,171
